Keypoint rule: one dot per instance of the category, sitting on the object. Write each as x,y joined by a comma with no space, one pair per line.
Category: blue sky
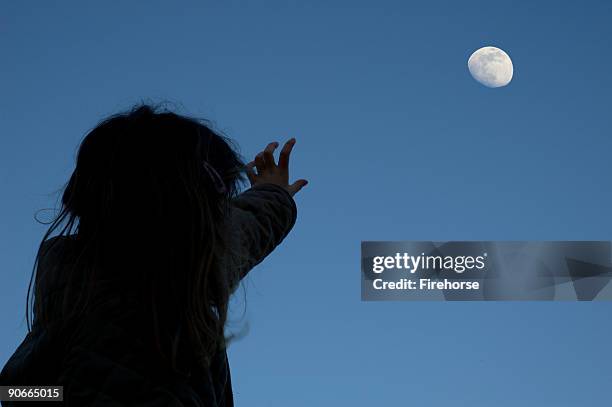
398,142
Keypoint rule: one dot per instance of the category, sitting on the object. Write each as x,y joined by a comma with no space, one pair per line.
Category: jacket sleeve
260,219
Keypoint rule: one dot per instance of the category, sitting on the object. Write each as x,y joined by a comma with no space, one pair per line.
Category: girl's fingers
260,164
297,185
283,159
250,173
268,154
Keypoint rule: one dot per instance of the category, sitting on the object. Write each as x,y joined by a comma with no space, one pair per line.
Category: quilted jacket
101,359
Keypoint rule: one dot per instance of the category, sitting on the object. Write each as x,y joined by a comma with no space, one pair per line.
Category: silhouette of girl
133,277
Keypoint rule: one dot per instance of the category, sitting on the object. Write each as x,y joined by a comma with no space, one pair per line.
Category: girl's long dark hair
144,211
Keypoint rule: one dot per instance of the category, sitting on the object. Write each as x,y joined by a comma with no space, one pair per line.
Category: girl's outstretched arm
263,215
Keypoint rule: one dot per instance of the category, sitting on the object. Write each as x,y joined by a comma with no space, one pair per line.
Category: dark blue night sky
398,142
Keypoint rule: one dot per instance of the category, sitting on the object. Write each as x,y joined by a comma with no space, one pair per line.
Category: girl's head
146,206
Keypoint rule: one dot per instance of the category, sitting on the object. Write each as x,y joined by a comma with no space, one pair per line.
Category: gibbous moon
491,66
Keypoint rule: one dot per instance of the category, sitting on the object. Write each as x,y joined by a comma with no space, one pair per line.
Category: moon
491,66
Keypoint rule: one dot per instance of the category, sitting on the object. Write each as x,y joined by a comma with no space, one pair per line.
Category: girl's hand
269,172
